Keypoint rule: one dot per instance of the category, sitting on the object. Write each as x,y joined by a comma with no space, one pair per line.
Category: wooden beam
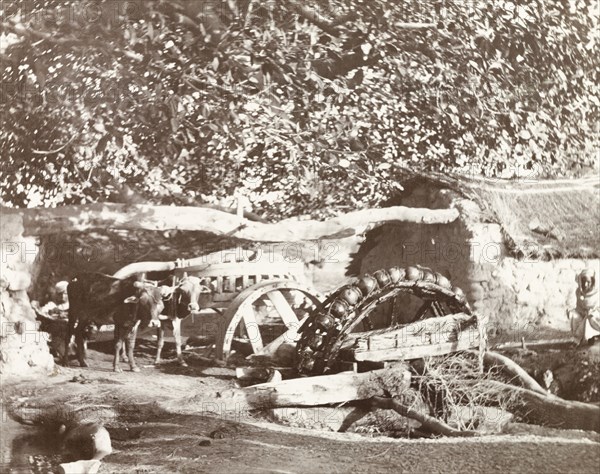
252,328
47,221
288,316
312,391
493,359
410,353
427,332
290,337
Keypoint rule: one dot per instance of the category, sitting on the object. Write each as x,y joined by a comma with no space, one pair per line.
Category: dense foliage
301,108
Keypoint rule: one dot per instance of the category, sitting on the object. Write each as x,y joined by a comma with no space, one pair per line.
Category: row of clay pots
351,295
328,323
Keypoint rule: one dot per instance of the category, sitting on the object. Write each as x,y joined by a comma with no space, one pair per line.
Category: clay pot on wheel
351,295
413,273
367,284
382,277
396,274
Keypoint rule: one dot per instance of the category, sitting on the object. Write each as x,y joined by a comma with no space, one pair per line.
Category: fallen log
550,411
428,423
491,358
46,221
315,391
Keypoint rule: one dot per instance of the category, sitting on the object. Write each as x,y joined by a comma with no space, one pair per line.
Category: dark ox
181,299
96,299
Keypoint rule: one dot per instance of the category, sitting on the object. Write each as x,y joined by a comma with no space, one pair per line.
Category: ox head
146,302
187,295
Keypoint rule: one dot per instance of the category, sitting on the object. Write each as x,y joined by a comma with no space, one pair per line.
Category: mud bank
164,420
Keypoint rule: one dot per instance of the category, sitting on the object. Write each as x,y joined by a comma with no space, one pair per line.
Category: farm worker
585,318
59,304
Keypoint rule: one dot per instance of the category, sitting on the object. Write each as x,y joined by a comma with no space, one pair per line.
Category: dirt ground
166,421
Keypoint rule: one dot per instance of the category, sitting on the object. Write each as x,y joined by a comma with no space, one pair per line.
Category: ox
96,299
181,299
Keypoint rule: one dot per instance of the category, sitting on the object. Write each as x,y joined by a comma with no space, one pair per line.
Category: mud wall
23,349
521,298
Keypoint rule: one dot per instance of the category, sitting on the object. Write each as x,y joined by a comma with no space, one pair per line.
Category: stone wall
529,298
23,349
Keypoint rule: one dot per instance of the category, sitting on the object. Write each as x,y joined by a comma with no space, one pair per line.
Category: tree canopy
298,107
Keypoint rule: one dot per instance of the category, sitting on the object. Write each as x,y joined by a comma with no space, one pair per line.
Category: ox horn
145,267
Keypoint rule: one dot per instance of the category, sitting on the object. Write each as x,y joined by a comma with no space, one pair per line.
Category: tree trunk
40,221
551,411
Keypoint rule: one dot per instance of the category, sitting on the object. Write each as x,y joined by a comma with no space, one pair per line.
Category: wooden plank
245,281
309,391
542,343
289,317
426,332
220,298
251,268
409,353
228,284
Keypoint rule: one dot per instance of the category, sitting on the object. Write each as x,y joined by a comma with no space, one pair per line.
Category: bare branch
428,422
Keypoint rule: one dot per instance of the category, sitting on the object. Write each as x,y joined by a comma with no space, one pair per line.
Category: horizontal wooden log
42,221
448,328
312,391
410,353
538,344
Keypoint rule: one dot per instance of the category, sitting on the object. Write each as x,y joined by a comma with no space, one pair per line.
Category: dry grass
451,388
558,224
455,385
541,219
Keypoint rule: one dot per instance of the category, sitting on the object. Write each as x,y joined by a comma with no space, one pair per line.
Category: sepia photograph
299,236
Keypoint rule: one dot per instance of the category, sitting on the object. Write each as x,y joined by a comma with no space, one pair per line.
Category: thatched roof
542,219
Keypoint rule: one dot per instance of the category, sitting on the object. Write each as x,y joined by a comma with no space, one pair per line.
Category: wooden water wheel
411,294
264,316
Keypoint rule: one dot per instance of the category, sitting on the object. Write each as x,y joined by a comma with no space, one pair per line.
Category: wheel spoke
252,328
264,303
422,311
284,309
438,309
